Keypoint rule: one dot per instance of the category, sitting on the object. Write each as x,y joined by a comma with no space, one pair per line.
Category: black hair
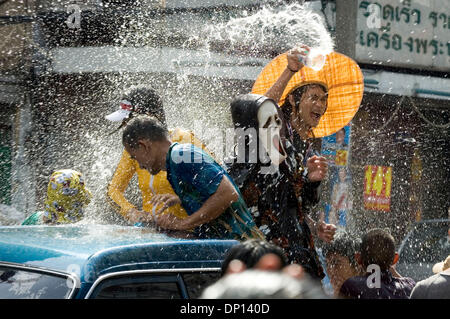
146,101
260,284
378,247
343,244
298,94
143,127
251,251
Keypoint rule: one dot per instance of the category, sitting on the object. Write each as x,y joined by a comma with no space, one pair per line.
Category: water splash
288,26
72,127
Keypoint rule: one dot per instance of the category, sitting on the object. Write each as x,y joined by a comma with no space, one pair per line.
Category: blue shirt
195,177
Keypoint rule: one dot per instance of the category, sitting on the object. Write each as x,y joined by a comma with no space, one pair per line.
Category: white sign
405,33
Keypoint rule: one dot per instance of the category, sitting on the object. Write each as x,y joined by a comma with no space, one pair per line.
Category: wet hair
298,94
251,251
260,284
146,101
143,127
378,247
343,244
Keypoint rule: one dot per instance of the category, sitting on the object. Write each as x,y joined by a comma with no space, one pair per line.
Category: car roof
94,250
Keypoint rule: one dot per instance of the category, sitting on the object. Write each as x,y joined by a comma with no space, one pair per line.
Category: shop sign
405,33
377,188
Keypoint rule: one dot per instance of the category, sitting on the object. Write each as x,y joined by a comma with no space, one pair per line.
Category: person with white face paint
271,179
269,123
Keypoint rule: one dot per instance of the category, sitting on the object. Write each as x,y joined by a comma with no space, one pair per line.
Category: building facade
79,57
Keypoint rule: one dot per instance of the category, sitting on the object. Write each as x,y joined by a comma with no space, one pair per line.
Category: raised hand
326,232
295,56
317,168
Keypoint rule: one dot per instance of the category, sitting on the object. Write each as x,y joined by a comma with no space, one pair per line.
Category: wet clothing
278,198
276,205
390,287
434,287
149,185
195,177
36,218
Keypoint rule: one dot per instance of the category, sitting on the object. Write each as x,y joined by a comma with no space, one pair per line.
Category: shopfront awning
110,59
406,84
154,60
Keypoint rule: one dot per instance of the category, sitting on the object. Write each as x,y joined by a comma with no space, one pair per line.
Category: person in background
269,278
213,203
340,259
250,252
378,251
67,198
436,286
155,189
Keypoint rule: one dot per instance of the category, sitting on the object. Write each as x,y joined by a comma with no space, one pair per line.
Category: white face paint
269,132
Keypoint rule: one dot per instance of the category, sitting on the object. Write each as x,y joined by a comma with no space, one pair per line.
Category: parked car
427,243
105,261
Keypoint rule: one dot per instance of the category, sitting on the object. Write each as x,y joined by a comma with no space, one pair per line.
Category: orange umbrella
340,74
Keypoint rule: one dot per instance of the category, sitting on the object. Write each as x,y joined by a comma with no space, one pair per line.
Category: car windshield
24,284
428,243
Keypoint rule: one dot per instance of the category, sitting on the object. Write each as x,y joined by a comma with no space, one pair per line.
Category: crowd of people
258,269
262,195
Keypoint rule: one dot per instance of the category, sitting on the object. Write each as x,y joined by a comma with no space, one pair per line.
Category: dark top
389,287
278,198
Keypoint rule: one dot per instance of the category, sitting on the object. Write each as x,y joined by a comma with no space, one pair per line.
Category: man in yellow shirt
155,189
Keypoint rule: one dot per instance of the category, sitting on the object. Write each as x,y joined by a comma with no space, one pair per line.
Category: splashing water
289,26
77,133
200,103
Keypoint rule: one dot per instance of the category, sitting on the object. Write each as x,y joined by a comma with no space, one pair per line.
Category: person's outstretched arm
212,208
294,65
119,183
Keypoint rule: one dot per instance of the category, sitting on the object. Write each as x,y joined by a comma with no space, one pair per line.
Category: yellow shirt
148,184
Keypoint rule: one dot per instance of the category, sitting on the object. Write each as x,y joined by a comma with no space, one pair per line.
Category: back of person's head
260,284
251,251
378,247
138,101
344,244
143,127
146,101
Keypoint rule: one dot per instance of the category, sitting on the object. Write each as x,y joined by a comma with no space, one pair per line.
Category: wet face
312,105
269,132
149,156
339,269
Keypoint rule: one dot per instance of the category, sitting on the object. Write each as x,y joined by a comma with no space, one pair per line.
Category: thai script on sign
404,32
396,42
404,13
